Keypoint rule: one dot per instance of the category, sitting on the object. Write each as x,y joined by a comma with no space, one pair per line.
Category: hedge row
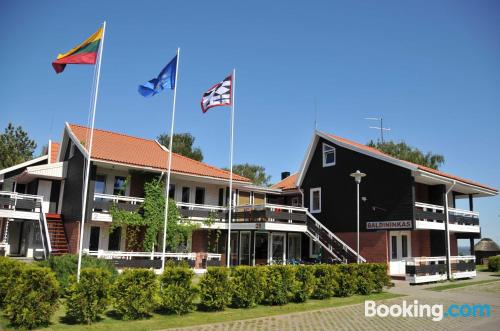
30,294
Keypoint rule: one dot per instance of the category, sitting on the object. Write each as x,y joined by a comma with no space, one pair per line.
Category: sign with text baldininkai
389,225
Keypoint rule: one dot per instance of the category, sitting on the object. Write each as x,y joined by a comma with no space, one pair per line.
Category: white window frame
296,202
311,243
332,149
311,200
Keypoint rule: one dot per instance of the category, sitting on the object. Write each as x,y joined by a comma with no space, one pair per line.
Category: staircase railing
46,232
334,244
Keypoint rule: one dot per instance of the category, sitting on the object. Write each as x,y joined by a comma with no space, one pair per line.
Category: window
394,247
221,197
171,192
119,187
199,196
295,202
294,246
185,194
328,155
100,184
314,248
315,205
404,246
95,233
114,239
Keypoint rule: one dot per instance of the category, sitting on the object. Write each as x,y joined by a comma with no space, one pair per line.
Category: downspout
446,225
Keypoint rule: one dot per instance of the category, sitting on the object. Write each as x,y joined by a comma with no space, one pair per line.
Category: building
484,249
408,214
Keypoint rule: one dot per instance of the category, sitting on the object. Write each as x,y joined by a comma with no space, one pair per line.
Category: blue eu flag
166,79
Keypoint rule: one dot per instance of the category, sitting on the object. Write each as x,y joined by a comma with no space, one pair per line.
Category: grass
160,321
458,284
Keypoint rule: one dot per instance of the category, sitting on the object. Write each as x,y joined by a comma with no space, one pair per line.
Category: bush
365,278
214,289
494,263
33,299
345,277
9,272
380,277
305,281
247,286
134,293
326,284
280,284
176,292
89,298
66,265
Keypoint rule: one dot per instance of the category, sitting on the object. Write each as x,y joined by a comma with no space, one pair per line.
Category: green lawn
457,284
158,321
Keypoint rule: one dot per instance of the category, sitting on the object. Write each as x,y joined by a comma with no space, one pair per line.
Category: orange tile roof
288,183
121,148
54,151
421,167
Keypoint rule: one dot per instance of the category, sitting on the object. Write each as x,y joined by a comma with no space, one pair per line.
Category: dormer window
328,155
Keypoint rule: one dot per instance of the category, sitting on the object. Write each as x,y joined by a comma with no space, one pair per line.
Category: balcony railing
428,216
104,202
431,269
21,202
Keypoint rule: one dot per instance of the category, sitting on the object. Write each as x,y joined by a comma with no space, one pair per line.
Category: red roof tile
121,148
421,167
288,183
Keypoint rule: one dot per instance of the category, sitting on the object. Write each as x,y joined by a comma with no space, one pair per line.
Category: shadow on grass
70,321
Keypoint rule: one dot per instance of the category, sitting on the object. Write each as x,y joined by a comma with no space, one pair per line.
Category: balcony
262,216
432,217
20,206
432,269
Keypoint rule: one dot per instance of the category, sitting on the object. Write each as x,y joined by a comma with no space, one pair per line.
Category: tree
256,173
406,152
182,144
15,146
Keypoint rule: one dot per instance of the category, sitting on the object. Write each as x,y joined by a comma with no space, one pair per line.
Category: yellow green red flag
85,53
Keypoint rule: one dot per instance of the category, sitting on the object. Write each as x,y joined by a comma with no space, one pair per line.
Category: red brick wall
372,245
72,229
420,243
199,241
453,245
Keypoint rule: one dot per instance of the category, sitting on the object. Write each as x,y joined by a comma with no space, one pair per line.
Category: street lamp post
357,178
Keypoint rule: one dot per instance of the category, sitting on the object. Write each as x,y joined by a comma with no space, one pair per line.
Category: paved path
352,317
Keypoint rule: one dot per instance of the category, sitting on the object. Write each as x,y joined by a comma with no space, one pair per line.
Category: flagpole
87,168
167,188
233,90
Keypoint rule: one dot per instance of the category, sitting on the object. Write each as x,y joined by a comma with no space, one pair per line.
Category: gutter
447,238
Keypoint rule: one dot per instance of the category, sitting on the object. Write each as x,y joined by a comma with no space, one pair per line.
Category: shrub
134,293
176,292
380,276
280,284
365,278
33,299
326,284
247,286
9,271
214,289
494,263
87,299
304,277
66,265
345,277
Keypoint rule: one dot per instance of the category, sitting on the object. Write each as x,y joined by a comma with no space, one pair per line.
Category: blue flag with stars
166,79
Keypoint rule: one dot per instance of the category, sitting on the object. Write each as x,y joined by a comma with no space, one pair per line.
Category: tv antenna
381,127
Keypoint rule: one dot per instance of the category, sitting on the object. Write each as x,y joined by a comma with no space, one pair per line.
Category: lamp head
357,176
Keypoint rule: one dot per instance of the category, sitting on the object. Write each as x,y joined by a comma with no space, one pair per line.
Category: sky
431,69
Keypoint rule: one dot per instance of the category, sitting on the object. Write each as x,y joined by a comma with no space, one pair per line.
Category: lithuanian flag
85,53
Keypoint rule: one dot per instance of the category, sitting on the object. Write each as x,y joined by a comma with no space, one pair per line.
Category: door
244,248
399,250
278,248
261,248
234,248
95,232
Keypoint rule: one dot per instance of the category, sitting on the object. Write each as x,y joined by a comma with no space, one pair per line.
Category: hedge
9,272
176,290
66,265
247,284
305,282
134,293
279,284
326,283
33,299
89,298
494,263
346,279
214,289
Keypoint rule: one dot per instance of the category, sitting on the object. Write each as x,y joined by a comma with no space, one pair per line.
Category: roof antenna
381,127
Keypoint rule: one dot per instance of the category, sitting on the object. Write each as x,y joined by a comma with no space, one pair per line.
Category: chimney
285,174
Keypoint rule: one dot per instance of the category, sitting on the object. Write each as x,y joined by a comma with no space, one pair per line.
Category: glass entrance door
234,248
261,248
278,248
244,248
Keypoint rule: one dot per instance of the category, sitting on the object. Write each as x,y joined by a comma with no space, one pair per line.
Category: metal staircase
339,250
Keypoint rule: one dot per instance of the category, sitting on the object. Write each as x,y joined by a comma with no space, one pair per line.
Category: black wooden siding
387,187
72,196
